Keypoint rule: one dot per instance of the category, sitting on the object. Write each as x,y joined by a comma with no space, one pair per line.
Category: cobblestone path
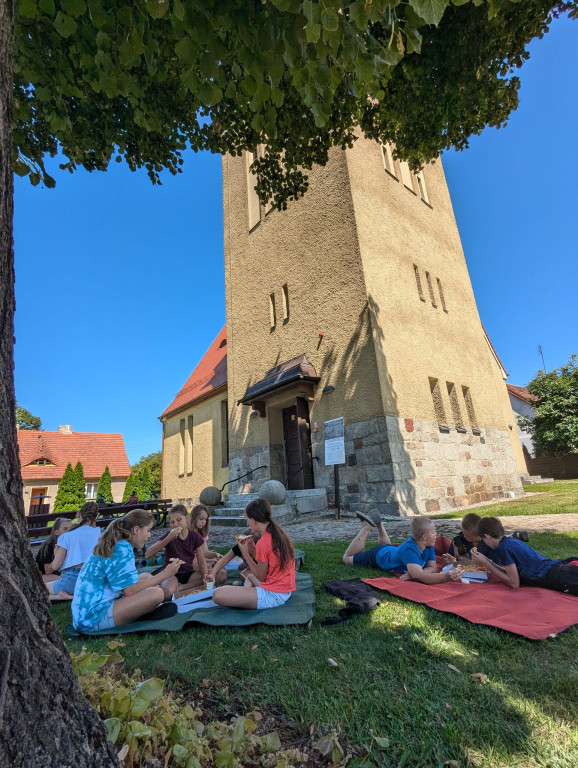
326,528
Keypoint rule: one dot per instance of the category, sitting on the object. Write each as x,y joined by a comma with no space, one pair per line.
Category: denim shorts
369,557
107,620
67,581
268,599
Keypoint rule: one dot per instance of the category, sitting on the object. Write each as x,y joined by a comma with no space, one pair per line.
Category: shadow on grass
393,677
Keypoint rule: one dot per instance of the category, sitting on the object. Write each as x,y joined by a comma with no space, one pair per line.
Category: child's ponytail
121,530
260,510
87,514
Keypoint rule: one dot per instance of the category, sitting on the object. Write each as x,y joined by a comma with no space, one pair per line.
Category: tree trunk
45,722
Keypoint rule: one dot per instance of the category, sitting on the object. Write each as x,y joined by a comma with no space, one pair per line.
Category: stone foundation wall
438,471
366,481
242,461
403,467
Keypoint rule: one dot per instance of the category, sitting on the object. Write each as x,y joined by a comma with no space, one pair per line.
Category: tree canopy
138,81
25,420
153,463
554,426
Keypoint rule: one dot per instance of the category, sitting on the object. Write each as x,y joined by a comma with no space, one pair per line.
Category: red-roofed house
44,456
523,401
195,429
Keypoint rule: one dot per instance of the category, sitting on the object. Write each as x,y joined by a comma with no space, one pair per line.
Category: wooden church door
297,438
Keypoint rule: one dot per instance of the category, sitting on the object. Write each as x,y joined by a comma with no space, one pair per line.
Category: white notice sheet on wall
334,442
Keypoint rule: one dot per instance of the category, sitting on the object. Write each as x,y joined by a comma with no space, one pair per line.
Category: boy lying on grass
414,559
519,564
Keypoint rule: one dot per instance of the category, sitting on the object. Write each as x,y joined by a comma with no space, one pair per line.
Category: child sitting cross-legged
199,521
271,564
184,544
109,592
414,559
520,565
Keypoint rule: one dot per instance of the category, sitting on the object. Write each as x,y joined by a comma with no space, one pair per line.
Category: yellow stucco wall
312,247
414,340
117,486
207,450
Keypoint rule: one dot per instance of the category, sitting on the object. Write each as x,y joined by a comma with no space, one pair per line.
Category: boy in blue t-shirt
519,564
414,559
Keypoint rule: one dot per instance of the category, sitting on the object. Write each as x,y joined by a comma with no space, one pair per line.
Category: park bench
39,525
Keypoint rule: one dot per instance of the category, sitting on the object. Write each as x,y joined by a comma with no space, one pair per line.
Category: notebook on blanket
532,612
299,609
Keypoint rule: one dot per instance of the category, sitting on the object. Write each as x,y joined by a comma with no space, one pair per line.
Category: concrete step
229,522
227,512
535,479
240,500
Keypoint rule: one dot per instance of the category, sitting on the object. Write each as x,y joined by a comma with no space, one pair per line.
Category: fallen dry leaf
115,644
453,763
254,647
451,666
481,677
167,648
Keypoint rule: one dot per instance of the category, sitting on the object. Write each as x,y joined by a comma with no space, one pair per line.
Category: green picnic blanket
299,609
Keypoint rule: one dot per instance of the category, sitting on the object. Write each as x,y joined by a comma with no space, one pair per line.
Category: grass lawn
393,678
551,499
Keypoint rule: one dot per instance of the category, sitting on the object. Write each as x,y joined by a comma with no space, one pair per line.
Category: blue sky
120,285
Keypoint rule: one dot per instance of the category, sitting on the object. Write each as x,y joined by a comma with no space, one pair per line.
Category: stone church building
355,302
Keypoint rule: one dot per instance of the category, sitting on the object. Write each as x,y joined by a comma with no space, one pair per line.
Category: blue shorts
107,620
268,599
67,581
369,557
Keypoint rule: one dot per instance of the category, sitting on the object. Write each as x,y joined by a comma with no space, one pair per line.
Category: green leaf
28,8
64,24
358,14
73,7
178,10
329,19
157,8
179,754
151,689
136,729
271,742
186,51
209,65
47,6
312,32
138,706
113,728
226,759
431,11
20,168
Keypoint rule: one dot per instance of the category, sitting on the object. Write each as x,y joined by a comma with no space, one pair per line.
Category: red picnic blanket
532,612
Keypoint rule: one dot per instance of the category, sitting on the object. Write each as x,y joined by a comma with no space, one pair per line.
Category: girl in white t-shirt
71,551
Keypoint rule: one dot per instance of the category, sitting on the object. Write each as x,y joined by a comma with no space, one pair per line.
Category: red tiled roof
209,374
95,451
522,393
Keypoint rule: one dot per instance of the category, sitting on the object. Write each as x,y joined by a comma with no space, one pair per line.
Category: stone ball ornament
274,491
210,497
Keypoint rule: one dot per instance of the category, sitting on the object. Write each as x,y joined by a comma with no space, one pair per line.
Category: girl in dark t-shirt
185,544
45,554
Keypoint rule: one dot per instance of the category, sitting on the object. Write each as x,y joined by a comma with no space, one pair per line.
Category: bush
104,487
68,498
153,727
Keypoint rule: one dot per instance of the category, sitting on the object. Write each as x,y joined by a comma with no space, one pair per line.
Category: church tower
356,302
